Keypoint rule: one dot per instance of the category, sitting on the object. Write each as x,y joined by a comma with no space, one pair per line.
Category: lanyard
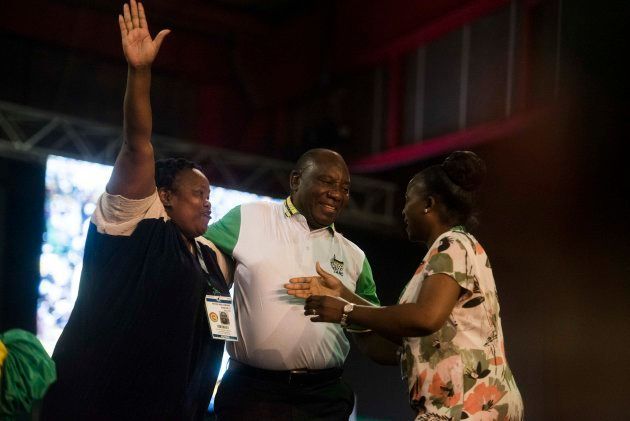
202,262
213,283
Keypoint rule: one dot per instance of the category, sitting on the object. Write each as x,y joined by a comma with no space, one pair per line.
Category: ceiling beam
406,43
464,139
34,134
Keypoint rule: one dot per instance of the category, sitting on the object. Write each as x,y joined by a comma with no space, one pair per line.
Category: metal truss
27,133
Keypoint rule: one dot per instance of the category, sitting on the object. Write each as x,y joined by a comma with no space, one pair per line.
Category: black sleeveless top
137,344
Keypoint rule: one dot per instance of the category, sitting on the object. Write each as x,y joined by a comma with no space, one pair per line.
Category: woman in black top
138,345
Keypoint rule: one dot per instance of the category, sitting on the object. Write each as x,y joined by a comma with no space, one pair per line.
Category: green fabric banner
27,372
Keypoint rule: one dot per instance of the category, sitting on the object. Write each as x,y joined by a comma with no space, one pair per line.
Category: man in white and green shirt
283,365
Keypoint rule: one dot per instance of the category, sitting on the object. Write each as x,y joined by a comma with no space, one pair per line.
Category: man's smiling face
320,190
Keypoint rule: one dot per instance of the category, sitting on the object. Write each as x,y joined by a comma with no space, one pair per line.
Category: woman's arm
133,174
436,299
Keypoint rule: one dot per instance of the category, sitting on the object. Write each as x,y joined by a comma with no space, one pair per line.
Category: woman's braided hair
455,182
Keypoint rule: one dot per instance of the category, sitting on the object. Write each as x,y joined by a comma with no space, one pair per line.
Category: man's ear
294,180
430,204
165,196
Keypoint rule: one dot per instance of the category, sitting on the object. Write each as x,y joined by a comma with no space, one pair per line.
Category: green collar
290,210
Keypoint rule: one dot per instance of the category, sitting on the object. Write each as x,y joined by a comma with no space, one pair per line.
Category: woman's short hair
455,183
166,170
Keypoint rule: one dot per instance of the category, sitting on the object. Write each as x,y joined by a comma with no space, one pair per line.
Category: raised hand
324,284
140,50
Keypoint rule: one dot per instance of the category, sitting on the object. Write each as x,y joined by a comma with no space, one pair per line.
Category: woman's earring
426,210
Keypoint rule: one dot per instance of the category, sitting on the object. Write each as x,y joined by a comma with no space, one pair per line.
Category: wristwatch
347,309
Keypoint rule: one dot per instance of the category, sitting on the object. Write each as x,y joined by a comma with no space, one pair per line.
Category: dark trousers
241,397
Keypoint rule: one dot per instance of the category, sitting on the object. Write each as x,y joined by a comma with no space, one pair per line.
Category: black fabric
241,397
137,344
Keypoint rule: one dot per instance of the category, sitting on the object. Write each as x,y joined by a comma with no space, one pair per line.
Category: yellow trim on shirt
290,210
289,207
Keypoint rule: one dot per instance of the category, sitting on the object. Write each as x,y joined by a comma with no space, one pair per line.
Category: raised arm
133,175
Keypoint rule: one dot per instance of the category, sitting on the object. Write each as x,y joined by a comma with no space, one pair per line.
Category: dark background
274,78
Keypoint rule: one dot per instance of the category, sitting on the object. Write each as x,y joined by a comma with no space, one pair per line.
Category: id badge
220,311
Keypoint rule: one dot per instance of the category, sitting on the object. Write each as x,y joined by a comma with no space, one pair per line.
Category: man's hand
324,284
140,50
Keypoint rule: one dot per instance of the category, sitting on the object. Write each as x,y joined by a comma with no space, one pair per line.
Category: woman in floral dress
446,327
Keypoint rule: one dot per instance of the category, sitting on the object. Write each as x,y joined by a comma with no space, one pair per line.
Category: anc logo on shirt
337,265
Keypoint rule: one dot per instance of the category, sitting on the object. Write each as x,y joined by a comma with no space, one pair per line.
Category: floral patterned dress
460,371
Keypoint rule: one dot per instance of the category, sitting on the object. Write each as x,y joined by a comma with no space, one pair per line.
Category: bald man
284,366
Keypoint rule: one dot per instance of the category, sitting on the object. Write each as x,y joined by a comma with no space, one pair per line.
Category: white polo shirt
271,243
